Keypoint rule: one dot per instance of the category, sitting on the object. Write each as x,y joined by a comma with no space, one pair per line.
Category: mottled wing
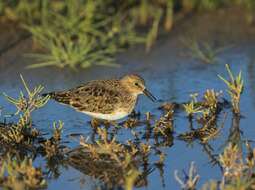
95,96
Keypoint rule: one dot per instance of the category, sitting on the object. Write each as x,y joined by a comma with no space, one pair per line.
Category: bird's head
136,85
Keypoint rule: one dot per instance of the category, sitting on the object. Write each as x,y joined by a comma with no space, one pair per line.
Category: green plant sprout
82,33
191,108
58,129
52,146
189,182
23,131
211,99
164,126
30,103
16,174
71,39
237,171
235,88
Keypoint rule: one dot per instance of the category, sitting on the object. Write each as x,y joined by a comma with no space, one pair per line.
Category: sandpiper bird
105,99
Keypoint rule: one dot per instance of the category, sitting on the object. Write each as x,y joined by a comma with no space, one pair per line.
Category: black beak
149,95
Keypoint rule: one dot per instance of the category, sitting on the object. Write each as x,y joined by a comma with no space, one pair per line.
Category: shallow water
171,77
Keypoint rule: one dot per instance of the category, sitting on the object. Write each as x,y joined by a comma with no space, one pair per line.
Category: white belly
115,116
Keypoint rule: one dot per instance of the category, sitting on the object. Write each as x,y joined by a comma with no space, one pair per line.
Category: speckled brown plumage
103,96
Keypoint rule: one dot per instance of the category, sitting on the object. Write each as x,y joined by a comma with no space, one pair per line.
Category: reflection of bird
105,99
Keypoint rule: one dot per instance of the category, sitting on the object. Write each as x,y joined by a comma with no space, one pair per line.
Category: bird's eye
136,84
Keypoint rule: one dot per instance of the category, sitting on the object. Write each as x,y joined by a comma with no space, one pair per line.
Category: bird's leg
107,124
115,124
95,123
132,114
135,114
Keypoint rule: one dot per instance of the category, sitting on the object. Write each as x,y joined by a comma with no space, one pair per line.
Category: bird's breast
112,116
128,104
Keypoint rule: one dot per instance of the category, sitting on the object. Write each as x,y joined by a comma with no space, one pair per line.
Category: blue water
171,77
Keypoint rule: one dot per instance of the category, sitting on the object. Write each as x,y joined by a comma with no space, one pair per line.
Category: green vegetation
21,142
235,88
21,174
22,132
238,171
191,108
84,33
52,146
204,113
28,104
188,182
114,163
126,164
164,126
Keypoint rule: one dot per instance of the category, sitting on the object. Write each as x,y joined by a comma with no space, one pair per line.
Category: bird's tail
51,94
58,96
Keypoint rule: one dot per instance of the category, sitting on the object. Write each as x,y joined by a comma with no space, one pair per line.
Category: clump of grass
52,146
238,171
114,163
192,107
131,123
202,108
104,146
205,133
13,135
167,106
28,104
21,174
85,33
232,162
206,112
71,39
164,126
190,180
209,106
20,11
235,88
23,131
58,129
211,100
